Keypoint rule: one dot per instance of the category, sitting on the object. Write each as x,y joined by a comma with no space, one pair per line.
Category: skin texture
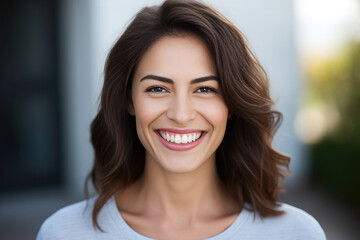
179,196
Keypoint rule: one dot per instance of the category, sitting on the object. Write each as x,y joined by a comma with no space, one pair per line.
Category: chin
180,169
181,165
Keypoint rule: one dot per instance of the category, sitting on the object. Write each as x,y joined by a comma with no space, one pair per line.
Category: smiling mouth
180,138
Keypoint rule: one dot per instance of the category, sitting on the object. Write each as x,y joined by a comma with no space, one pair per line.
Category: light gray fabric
74,223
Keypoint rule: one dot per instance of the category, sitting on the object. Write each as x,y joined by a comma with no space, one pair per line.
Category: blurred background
51,73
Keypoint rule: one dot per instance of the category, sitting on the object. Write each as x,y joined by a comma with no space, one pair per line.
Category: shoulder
299,220
294,224
71,221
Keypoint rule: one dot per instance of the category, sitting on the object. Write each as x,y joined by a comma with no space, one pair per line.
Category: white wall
91,27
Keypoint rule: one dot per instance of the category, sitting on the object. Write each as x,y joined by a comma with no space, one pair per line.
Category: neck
172,194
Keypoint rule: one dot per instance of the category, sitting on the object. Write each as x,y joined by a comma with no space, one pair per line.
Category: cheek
143,117
216,113
146,112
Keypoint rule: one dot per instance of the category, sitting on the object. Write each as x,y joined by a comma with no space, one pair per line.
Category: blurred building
31,125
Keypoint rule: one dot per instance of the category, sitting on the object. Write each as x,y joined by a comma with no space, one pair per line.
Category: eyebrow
168,80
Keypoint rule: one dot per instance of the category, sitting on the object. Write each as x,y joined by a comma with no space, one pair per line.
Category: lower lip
180,147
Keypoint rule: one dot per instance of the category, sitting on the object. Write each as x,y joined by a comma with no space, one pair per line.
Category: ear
131,109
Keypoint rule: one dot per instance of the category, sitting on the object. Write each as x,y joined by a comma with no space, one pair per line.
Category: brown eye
156,89
205,90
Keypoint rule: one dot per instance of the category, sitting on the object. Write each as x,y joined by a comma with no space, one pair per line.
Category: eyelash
153,89
207,89
159,89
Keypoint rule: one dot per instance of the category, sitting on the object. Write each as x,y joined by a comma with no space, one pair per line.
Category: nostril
181,114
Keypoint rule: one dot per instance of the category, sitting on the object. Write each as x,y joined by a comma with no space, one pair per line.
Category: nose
181,109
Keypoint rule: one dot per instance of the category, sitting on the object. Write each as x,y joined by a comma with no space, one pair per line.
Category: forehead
177,57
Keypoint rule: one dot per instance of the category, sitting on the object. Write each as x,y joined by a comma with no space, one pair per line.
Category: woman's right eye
156,89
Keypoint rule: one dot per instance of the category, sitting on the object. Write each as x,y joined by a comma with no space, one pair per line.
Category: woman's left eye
205,90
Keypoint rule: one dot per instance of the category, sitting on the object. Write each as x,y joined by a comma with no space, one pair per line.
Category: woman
183,138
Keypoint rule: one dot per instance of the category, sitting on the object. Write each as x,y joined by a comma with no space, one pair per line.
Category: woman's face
180,113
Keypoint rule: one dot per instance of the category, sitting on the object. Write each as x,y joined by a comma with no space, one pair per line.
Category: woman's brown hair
249,167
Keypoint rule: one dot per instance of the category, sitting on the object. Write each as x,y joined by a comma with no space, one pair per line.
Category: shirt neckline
120,224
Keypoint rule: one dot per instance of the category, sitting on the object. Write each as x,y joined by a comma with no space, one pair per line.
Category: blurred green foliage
336,158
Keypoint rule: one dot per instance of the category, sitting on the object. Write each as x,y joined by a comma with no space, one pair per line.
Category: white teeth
189,138
184,139
180,138
177,138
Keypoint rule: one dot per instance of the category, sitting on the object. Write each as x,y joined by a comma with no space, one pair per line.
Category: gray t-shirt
74,222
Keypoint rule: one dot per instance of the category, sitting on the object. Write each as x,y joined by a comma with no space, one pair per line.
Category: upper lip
179,131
